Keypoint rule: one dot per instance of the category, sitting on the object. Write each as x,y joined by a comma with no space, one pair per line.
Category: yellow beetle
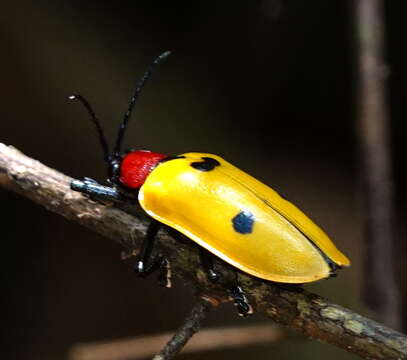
239,219
226,211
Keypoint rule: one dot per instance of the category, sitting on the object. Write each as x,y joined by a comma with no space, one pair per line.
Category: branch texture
307,313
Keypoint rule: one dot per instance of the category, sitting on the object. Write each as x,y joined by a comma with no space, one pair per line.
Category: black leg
95,191
147,247
235,291
207,263
145,265
239,299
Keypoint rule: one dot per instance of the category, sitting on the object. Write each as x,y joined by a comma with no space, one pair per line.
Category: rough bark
305,312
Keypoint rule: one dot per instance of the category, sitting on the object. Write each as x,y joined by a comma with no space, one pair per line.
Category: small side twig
190,326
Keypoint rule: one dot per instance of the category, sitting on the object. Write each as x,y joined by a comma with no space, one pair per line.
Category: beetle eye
114,171
207,164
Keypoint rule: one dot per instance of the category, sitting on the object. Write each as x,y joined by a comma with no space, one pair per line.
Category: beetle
229,213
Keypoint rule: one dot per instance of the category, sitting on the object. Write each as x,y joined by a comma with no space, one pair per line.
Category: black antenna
133,101
95,120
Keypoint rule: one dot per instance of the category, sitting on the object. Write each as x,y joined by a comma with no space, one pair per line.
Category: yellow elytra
239,219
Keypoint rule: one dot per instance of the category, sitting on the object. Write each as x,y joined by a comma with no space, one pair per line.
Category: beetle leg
207,264
160,263
239,298
95,191
145,265
235,291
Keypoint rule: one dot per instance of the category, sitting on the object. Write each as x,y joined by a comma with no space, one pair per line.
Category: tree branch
305,312
206,340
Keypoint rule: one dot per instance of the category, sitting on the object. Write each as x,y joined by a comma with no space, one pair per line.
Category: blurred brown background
268,85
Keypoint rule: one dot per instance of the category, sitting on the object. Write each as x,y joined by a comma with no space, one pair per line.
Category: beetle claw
244,309
240,301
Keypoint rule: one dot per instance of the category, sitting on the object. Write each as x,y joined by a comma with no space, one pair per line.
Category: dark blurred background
268,85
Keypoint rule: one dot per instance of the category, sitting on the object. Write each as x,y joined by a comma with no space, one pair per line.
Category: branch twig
189,327
307,313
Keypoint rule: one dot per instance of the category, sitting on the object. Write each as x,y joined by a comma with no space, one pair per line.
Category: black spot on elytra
207,164
243,222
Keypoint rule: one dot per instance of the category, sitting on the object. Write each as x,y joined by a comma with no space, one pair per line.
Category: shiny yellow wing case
239,219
